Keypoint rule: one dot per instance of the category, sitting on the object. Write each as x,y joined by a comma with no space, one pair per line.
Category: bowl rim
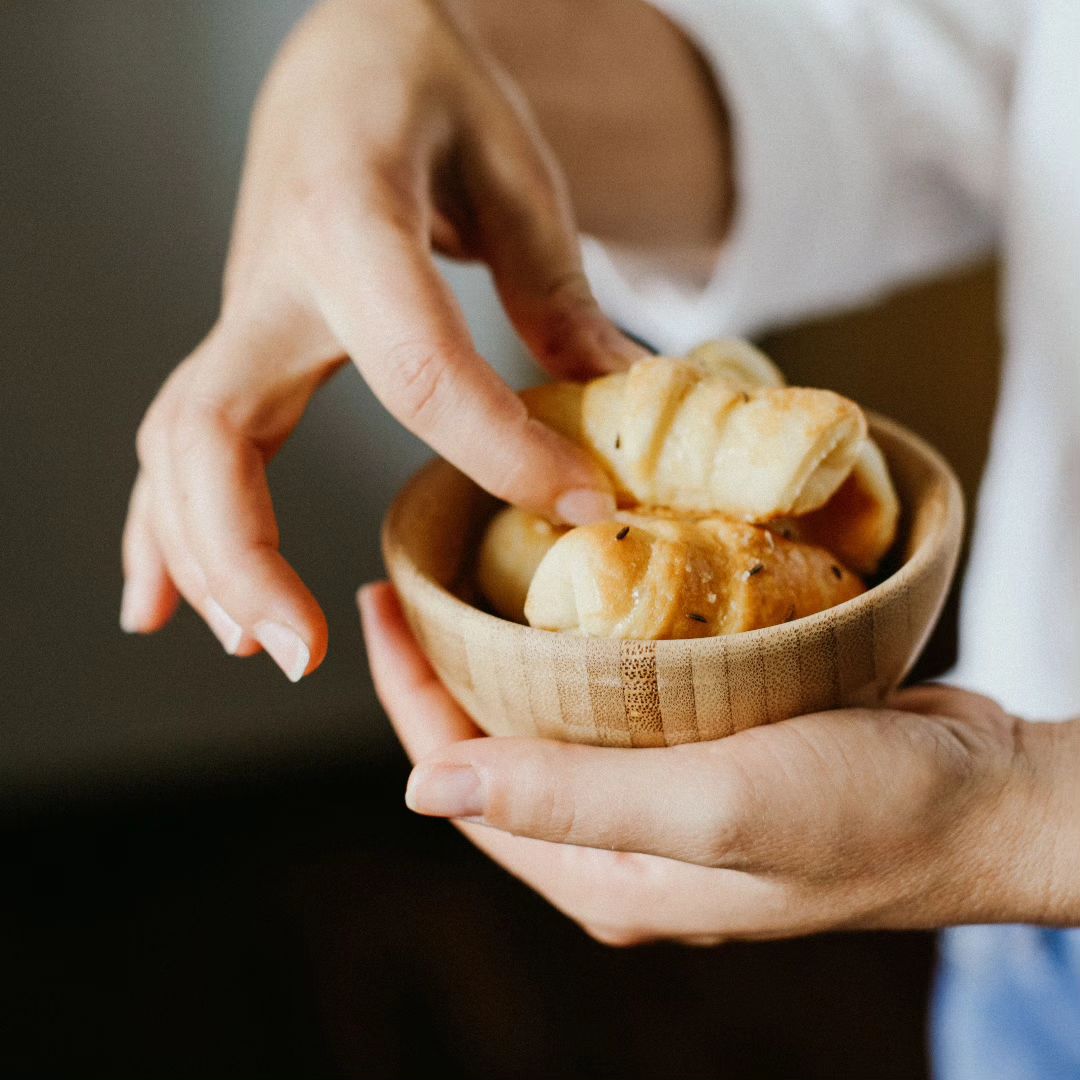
920,562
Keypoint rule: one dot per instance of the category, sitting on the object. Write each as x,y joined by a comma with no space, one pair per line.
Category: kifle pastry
743,503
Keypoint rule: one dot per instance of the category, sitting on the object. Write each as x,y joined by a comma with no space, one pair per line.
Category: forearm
631,111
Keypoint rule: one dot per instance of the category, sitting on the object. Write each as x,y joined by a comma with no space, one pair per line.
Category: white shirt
877,141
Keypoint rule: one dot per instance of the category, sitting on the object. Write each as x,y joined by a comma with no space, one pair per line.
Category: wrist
1046,808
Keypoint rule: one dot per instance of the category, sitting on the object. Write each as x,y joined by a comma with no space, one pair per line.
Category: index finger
396,317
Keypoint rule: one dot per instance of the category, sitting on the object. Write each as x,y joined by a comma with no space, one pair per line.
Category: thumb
675,802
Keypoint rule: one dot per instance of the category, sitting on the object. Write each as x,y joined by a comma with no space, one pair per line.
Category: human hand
917,815
382,132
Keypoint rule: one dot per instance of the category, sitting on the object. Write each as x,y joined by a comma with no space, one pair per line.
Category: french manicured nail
285,646
228,631
363,594
585,506
135,604
451,791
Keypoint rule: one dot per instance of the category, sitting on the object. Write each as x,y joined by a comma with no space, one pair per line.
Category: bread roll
649,577
737,361
513,544
671,434
858,524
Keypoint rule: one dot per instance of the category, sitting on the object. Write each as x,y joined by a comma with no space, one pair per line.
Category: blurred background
209,871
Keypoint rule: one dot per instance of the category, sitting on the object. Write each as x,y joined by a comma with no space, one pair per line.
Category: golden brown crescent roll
858,524
648,578
513,544
673,435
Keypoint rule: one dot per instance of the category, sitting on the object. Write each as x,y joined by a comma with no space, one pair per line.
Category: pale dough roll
672,435
649,578
737,361
858,524
513,544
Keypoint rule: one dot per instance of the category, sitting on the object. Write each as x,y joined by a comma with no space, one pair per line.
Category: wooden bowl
517,680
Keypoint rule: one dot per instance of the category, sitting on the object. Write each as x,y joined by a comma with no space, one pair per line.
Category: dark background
206,870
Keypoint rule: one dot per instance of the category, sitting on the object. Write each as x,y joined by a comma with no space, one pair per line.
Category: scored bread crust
859,523
674,433
705,449
747,367
652,577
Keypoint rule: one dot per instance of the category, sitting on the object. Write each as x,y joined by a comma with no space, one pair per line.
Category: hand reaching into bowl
938,810
384,132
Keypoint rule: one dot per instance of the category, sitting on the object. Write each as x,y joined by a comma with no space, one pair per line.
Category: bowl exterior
517,680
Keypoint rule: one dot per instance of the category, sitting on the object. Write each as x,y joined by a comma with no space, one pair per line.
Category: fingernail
451,791
585,506
285,646
364,593
620,350
134,606
228,631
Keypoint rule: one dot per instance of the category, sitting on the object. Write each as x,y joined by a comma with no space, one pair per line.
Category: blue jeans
1007,1004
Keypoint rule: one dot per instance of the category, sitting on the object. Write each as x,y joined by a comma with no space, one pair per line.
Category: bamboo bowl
517,680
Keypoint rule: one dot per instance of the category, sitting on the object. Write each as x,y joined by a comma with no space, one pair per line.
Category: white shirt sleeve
869,149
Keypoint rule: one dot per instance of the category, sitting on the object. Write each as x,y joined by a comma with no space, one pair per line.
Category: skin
388,130
392,129
591,70
938,810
